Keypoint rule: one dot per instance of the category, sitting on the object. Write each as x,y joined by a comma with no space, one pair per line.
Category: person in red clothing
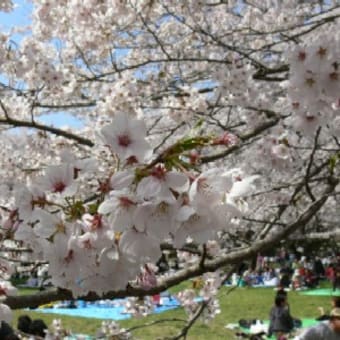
330,273
156,299
302,271
336,276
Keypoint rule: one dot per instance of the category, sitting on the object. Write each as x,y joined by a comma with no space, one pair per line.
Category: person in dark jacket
336,277
29,327
24,323
7,332
281,322
38,327
318,268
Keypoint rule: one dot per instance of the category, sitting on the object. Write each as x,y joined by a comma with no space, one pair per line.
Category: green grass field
241,303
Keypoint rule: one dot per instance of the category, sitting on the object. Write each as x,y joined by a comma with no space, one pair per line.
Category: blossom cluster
88,242
108,330
314,87
181,80
209,284
111,329
6,5
6,289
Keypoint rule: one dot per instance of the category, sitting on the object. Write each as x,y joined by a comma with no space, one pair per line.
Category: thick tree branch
327,235
16,302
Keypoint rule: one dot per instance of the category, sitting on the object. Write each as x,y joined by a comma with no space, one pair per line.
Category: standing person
318,268
328,330
336,278
281,322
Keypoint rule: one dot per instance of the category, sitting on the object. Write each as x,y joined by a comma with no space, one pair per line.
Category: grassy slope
245,303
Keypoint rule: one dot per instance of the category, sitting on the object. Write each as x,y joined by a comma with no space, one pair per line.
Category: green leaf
333,160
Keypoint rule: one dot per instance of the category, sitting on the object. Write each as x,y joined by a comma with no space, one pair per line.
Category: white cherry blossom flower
122,179
160,184
83,165
139,247
26,198
307,123
108,279
6,288
126,137
6,313
200,228
235,203
156,219
208,189
59,179
48,224
120,206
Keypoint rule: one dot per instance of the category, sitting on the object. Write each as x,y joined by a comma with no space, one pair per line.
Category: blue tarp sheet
107,310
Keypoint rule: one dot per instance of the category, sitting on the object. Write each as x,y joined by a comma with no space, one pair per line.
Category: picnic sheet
107,311
306,323
321,292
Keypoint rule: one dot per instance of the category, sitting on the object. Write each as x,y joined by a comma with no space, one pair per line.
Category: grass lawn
241,303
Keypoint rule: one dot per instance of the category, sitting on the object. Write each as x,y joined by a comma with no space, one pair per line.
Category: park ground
236,304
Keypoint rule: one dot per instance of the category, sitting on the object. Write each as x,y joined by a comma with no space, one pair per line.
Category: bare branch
51,129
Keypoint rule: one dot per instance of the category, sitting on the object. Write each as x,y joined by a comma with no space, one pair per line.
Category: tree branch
42,127
257,130
16,302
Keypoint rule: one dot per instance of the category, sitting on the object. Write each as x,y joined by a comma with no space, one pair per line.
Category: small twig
185,330
204,256
311,159
151,324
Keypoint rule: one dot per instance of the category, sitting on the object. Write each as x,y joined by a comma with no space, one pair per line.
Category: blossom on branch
126,137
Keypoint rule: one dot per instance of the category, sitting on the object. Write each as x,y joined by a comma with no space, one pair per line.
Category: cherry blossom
59,179
121,205
160,184
126,137
140,246
197,122
5,313
26,198
6,6
6,288
210,187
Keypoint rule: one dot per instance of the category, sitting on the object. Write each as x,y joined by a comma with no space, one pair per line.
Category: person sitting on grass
280,321
7,332
27,326
335,303
24,323
328,330
38,328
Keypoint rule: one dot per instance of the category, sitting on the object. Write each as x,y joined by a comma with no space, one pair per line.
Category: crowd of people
282,323
286,270
293,271
290,270
284,326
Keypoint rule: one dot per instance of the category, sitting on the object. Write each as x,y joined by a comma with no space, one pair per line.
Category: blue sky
21,17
